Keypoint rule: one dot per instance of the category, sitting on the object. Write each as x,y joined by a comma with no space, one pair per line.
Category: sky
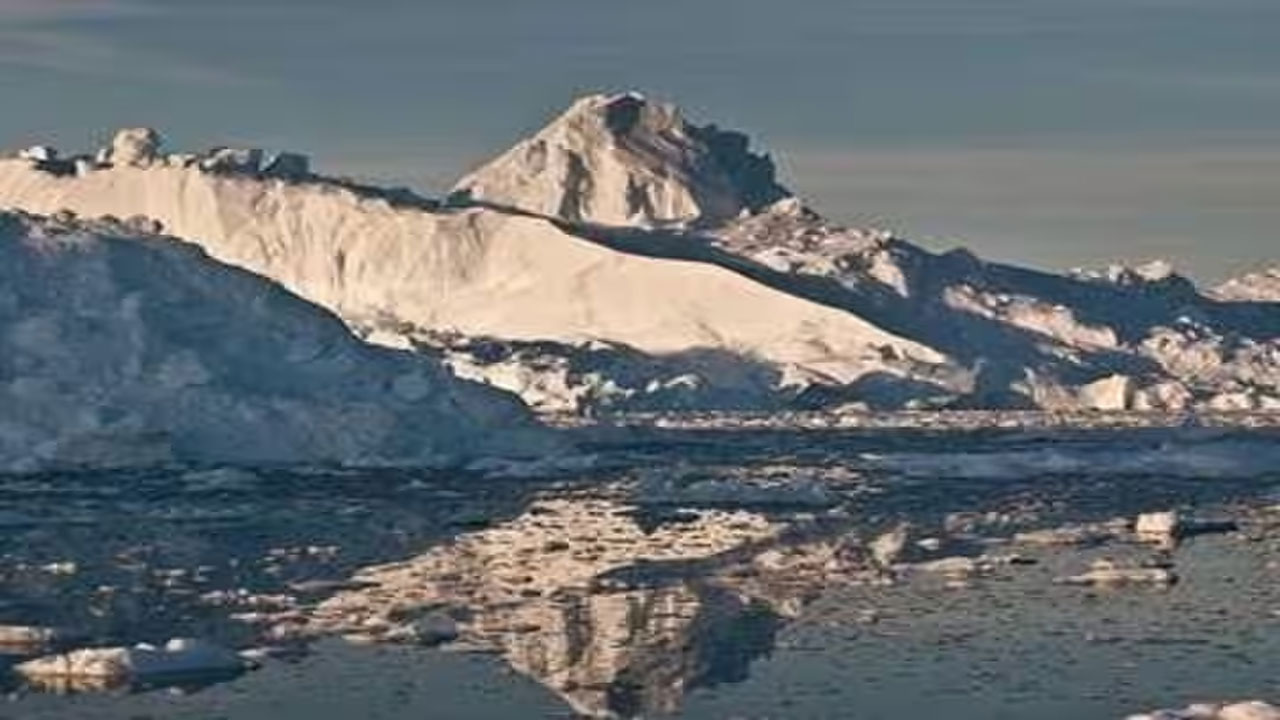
1057,133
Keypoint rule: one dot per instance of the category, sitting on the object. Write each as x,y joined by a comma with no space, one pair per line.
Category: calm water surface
703,578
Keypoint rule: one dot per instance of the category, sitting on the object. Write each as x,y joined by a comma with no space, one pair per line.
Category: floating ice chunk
1249,710
888,547
1105,572
179,656
1158,527
62,567
1114,392
29,635
432,629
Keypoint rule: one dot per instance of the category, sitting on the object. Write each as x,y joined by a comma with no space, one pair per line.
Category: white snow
625,160
1248,710
1158,527
38,153
179,656
476,271
1030,313
1262,286
623,225
138,147
28,635
125,349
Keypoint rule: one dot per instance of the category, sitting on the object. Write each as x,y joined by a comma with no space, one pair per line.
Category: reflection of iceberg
633,652
575,594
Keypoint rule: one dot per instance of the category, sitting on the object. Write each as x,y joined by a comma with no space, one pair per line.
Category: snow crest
625,160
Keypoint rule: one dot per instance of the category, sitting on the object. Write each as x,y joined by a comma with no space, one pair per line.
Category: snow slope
1122,338
625,258
1106,340
406,266
124,348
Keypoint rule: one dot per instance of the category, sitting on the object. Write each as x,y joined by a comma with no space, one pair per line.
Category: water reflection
637,652
182,683
617,618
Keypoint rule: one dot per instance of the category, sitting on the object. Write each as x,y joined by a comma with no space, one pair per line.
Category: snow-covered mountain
624,257
119,347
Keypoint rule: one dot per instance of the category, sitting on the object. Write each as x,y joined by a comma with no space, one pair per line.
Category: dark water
687,610
338,681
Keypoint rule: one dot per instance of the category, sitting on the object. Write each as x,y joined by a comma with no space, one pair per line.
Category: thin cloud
59,36
46,11
1248,82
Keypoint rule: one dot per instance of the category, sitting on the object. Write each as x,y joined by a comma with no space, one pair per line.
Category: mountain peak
622,159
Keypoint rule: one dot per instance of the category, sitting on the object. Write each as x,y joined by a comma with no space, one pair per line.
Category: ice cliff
397,268
120,347
626,258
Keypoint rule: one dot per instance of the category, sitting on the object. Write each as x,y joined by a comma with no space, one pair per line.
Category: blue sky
1051,132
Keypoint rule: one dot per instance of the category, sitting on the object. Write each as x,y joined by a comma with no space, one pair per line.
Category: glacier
624,258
